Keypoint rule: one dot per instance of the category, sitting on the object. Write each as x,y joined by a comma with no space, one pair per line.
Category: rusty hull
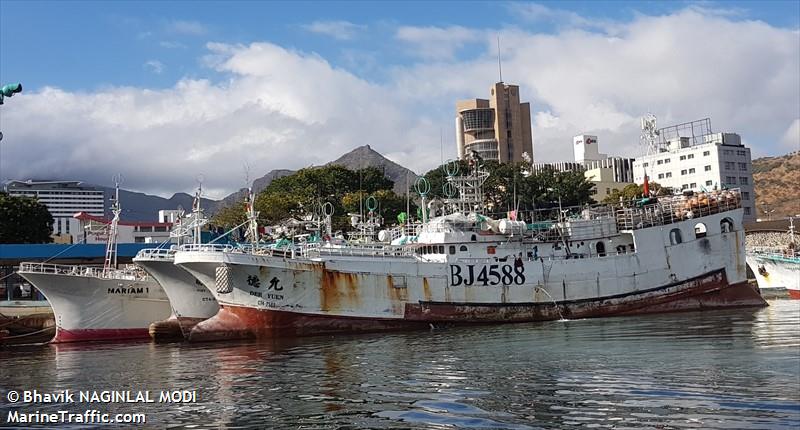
174,329
710,291
705,292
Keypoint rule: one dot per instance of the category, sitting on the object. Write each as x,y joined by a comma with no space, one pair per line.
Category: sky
165,93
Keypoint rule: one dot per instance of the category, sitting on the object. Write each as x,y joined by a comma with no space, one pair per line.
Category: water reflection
734,368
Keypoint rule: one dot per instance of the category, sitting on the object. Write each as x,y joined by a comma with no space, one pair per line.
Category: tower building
498,128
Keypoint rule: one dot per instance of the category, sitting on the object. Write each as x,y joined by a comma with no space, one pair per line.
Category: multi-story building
498,128
700,161
607,173
78,213
94,229
63,199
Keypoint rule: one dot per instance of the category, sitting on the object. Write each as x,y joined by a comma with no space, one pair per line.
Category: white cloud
280,108
683,66
538,13
154,66
791,139
437,43
342,30
189,28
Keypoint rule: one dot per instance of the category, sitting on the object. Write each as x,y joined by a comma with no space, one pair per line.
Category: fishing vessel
463,267
190,301
777,268
99,303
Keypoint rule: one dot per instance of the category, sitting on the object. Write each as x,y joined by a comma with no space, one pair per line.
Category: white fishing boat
99,303
777,268
190,301
463,267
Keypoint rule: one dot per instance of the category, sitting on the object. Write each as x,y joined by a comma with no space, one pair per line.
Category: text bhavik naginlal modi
25,399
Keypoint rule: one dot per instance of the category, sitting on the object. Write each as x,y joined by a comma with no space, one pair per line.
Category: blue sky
131,73
85,45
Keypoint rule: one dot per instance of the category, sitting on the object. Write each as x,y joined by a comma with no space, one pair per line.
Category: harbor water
725,369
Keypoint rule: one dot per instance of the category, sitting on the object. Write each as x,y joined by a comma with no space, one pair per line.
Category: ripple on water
722,369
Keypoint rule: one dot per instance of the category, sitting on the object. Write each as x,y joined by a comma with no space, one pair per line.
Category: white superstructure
190,301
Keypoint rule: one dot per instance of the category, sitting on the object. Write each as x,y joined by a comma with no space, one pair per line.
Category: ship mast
111,243
197,215
252,218
650,134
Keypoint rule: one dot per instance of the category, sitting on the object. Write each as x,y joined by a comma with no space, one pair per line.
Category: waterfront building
93,229
690,156
607,173
498,128
79,216
63,199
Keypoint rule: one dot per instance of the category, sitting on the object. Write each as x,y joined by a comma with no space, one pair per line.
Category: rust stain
338,291
426,289
329,297
397,296
352,293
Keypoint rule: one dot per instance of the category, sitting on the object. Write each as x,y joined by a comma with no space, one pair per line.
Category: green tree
634,191
229,216
24,220
510,186
275,207
389,204
305,191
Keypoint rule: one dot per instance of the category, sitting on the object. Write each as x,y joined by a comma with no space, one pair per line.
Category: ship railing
509,259
155,254
128,272
775,251
668,210
407,230
206,247
452,226
379,251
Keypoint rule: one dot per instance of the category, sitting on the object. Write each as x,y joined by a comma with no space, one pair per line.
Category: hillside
144,207
258,185
364,156
775,179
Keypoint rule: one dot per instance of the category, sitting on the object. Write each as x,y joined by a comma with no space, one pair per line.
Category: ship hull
271,295
93,309
710,291
191,302
775,272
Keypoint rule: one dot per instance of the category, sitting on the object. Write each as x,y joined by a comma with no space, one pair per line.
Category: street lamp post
767,211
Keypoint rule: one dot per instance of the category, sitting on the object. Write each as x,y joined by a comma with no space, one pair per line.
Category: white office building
607,173
63,199
690,157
